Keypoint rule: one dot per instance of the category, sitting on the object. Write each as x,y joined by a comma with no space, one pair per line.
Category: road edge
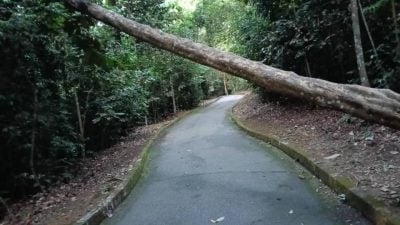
368,205
106,207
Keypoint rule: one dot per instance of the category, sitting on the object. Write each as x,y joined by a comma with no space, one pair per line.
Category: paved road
205,168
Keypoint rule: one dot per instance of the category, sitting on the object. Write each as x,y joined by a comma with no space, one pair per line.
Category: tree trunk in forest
33,137
171,83
308,68
358,44
396,27
375,105
80,122
225,85
371,40
155,115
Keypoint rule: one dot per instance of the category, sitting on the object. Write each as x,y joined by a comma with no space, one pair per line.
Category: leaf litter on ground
220,219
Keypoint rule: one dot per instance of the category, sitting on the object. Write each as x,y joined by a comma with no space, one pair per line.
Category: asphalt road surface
204,168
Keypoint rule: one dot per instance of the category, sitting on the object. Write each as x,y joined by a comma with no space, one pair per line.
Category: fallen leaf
334,156
342,197
218,220
385,189
369,138
395,196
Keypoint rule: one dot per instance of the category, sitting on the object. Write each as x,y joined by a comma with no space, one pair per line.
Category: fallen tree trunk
376,105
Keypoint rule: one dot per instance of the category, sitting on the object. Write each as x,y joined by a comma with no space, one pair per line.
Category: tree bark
396,27
358,44
225,84
308,68
80,123
33,137
171,83
375,105
371,40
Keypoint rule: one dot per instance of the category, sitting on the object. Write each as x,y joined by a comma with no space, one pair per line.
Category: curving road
205,168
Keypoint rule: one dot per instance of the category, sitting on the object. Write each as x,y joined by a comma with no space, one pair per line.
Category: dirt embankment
368,154
97,178
65,204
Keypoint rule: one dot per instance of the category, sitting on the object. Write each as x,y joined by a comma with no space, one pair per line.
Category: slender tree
396,27
371,40
358,44
33,137
171,84
80,122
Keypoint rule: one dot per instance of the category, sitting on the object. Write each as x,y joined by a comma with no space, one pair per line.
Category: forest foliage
71,86
315,38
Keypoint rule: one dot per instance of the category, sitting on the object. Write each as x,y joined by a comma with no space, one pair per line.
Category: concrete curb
372,208
107,206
